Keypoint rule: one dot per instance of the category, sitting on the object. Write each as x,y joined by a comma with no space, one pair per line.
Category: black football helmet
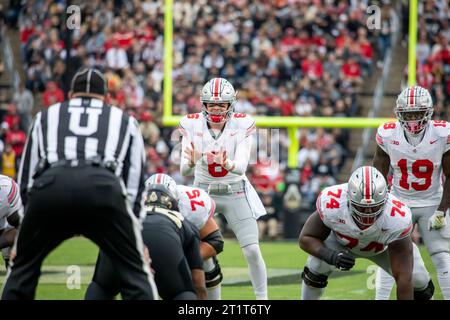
160,196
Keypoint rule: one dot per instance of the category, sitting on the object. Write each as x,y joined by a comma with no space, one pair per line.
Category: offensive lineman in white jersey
11,211
216,148
198,207
361,219
416,149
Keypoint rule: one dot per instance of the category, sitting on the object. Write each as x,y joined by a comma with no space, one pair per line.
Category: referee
82,173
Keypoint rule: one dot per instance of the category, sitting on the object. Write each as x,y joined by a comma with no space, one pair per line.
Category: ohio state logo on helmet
218,91
414,109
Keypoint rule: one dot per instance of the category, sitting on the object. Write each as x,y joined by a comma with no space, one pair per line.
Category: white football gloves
437,221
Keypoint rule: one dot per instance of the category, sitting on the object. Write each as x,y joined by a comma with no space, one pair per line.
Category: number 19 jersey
417,170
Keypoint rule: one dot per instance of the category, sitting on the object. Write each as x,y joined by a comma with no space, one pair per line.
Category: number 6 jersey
393,224
417,171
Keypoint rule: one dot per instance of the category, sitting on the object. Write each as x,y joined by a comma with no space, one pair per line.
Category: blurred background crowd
284,57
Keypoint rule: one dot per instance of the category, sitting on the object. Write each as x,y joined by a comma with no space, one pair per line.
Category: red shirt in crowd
144,36
351,69
25,34
124,39
52,94
312,67
16,138
366,50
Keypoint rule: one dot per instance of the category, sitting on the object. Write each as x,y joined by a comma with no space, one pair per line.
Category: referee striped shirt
84,128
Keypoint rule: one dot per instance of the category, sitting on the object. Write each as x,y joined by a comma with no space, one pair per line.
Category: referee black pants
86,200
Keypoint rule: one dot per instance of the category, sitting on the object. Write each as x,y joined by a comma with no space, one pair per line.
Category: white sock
215,292
441,262
257,269
383,285
311,293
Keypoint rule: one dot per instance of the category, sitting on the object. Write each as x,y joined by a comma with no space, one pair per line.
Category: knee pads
425,294
314,280
214,277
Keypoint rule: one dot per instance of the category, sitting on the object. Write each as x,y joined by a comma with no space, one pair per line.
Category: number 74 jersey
394,223
417,171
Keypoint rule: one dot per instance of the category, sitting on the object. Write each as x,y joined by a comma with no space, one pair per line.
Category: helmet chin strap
415,138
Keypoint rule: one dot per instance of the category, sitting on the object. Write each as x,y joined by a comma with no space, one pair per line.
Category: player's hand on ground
192,155
437,221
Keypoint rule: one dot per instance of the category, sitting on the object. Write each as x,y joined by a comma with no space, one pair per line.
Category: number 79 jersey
417,171
195,205
394,223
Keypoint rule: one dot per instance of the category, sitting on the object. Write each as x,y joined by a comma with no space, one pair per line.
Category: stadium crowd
285,57
433,53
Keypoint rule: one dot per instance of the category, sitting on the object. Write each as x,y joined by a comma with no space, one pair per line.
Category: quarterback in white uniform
11,211
216,148
360,219
198,207
416,150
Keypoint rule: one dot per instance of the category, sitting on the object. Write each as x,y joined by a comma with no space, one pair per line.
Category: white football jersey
195,205
394,223
417,171
10,200
237,132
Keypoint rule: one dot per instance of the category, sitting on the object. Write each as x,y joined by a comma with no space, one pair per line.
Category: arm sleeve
447,146
380,142
185,169
243,150
133,173
30,159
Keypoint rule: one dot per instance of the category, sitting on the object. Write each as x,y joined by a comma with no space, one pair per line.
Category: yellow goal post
290,123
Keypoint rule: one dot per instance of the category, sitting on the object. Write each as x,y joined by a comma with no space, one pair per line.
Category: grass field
284,262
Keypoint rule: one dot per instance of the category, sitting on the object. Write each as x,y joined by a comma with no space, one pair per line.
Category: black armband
215,240
14,219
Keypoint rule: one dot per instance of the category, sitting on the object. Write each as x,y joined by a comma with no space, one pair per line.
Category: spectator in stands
8,162
16,138
25,103
52,94
268,224
286,58
11,117
116,57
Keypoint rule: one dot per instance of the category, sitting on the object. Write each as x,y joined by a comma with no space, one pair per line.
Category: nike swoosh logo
433,141
233,134
384,230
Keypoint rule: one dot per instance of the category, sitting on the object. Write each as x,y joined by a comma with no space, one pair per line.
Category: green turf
284,262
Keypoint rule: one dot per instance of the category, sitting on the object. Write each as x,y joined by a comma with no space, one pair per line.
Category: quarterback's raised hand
437,221
192,155
343,260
